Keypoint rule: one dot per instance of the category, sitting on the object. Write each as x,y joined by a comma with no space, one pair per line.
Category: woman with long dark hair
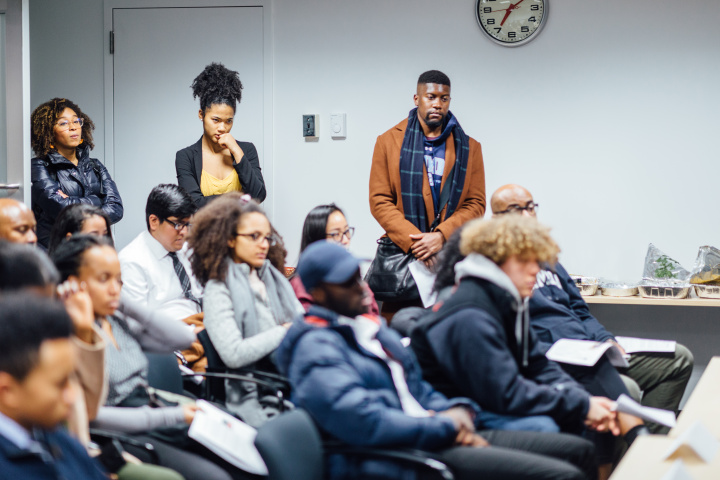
79,218
62,172
218,163
327,222
128,331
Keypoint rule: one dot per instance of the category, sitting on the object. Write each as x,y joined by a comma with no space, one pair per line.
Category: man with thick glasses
156,271
557,310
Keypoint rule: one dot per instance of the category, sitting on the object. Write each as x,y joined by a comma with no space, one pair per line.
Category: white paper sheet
677,472
635,345
227,437
585,352
424,279
625,404
699,439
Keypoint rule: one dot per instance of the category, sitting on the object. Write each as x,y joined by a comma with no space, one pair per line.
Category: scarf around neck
412,168
281,297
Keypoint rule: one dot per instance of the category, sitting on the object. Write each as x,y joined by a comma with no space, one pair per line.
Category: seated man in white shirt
156,272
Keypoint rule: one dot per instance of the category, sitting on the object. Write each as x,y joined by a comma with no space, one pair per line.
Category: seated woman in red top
326,222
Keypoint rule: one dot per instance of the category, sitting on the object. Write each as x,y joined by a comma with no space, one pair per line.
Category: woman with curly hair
217,163
62,172
248,303
77,219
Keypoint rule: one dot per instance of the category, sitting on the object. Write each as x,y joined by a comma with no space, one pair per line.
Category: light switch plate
338,125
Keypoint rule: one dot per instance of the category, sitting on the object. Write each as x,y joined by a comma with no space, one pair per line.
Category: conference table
646,458
692,321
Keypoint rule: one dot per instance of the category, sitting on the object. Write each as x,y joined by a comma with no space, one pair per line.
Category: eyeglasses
530,207
337,236
259,238
65,125
179,225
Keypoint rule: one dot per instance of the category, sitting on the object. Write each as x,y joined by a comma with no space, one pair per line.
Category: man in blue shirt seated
35,395
557,310
362,387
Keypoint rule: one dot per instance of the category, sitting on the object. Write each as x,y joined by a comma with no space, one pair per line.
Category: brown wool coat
386,199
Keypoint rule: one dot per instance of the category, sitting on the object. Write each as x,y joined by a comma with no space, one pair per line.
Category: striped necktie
183,277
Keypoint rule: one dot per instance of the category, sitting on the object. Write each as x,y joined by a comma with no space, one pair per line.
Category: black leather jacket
88,182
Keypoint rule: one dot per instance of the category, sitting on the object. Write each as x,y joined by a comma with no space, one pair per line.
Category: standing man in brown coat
412,163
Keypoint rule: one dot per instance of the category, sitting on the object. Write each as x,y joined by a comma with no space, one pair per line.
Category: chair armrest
413,457
124,439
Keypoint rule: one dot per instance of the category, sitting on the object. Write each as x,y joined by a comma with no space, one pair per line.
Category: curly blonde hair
43,120
510,235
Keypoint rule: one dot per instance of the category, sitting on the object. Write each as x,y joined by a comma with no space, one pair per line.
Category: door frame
17,95
266,162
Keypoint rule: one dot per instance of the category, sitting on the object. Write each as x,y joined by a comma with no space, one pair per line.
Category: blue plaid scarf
412,163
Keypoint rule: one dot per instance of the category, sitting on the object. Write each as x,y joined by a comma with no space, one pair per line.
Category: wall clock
511,22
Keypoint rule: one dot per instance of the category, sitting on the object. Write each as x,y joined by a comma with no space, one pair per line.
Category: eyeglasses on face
259,237
179,225
65,124
337,236
530,207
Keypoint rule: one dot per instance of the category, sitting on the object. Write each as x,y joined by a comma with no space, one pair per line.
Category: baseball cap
327,262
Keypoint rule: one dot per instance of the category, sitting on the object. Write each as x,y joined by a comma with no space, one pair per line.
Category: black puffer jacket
89,182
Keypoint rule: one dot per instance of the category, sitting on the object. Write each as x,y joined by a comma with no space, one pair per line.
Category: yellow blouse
210,185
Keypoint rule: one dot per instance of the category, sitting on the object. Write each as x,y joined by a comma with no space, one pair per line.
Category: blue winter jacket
64,459
350,394
557,310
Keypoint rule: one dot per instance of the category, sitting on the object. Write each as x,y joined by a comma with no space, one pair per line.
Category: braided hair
43,120
217,85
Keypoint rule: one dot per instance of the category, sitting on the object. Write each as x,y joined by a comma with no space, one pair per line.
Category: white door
157,54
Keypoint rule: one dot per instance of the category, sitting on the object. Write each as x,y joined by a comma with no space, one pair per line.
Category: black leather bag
389,275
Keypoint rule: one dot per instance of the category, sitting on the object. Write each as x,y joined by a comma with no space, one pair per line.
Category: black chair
217,371
292,449
163,373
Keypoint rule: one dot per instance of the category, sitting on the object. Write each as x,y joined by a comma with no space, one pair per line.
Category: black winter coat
89,182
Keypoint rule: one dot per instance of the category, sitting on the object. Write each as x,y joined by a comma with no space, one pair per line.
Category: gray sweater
223,319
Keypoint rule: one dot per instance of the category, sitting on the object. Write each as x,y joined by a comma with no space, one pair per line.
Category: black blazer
188,166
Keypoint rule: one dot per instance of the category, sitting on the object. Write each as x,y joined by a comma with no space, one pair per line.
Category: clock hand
507,14
512,7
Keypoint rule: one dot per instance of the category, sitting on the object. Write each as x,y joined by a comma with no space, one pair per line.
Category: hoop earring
52,146
81,141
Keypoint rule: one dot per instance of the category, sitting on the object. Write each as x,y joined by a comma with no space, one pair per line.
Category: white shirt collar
14,432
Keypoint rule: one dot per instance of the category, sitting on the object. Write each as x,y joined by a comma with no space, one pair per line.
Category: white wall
609,117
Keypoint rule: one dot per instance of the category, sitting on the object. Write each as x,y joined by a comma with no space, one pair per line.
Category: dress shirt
14,432
149,277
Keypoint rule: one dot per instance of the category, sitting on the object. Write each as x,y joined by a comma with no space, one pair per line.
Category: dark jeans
521,456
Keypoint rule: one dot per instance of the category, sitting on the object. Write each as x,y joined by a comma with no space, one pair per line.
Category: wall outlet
310,126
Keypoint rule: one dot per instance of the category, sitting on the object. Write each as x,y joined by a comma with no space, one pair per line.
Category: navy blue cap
327,262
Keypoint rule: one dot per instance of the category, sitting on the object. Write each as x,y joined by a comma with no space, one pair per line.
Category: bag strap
444,197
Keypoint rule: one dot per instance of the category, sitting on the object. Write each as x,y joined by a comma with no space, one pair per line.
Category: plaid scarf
412,169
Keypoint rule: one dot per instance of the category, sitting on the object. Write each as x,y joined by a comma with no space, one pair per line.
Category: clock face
511,22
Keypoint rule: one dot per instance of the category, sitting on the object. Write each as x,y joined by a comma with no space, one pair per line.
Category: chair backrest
215,363
215,386
164,373
291,447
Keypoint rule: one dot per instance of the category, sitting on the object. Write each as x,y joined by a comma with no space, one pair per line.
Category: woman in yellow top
217,163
